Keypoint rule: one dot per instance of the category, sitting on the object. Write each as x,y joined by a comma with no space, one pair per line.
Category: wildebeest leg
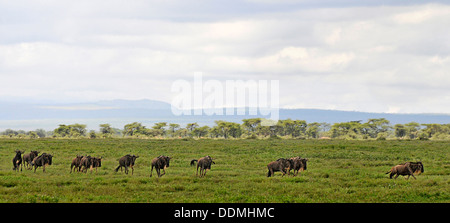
126,169
164,171
396,176
151,171
411,173
270,173
132,170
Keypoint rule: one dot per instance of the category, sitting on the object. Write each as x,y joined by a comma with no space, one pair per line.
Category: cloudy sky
347,55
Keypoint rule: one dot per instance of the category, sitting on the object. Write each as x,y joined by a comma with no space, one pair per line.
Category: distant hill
120,112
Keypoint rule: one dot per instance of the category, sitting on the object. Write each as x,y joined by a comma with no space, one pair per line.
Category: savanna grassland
338,171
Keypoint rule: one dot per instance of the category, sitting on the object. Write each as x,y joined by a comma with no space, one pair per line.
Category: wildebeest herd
81,163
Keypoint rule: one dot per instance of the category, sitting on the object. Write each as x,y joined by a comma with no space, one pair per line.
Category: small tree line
249,129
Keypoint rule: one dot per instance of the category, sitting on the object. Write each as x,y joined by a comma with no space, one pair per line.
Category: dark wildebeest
85,163
204,163
96,162
281,164
76,163
42,160
160,162
127,161
28,158
17,160
408,168
297,164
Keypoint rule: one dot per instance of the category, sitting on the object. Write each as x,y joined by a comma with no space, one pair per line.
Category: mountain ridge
119,112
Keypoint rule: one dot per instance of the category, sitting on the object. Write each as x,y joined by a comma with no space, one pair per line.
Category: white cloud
299,59
417,15
369,58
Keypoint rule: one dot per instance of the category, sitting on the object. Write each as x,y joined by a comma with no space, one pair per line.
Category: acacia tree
412,129
159,128
313,129
377,126
201,131
227,129
250,125
73,130
399,131
173,128
190,127
133,129
106,130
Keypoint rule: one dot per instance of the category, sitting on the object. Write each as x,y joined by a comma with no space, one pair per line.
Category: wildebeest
76,163
85,163
297,164
90,162
17,160
281,164
127,161
408,168
204,163
96,162
28,158
42,160
160,162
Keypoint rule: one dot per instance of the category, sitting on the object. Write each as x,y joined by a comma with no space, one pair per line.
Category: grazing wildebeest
407,168
281,164
96,162
127,161
297,164
160,162
17,160
28,158
76,163
204,163
42,160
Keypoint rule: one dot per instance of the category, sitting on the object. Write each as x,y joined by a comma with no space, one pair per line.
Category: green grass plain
338,171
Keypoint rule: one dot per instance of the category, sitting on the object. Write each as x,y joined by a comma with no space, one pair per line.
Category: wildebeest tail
193,162
117,169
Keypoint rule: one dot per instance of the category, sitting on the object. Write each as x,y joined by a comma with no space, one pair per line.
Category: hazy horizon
119,112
